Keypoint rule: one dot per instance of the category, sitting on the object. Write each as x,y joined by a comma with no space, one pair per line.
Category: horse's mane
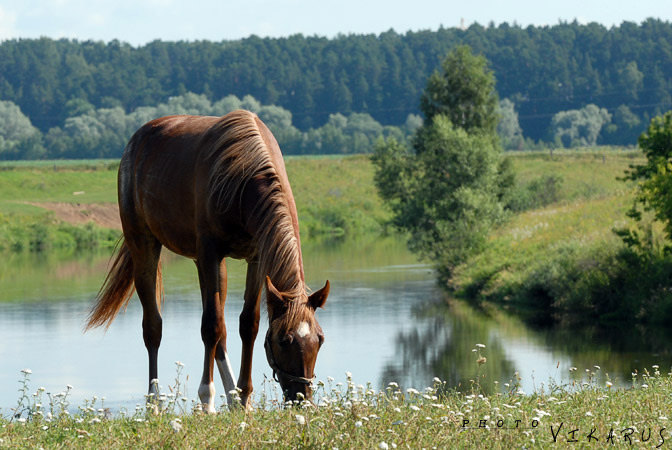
240,155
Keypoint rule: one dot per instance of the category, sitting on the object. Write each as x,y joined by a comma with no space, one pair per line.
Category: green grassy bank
562,262
348,416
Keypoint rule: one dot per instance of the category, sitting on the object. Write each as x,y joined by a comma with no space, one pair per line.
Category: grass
353,416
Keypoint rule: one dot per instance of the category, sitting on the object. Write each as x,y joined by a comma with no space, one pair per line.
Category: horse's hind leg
146,251
213,330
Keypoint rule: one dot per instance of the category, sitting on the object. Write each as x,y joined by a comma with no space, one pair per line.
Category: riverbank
351,416
556,260
563,263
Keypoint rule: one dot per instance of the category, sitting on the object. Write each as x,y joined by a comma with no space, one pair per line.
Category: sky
140,21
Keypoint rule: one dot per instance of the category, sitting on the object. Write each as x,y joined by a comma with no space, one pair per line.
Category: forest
568,84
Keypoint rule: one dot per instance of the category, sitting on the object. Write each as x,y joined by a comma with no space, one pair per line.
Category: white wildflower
27,371
301,420
358,424
542,413
176,425
383,446
480,345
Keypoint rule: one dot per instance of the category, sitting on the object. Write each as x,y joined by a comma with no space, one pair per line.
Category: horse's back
166,180
159,176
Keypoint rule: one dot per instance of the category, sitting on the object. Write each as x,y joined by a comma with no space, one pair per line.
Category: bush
42,233
538,193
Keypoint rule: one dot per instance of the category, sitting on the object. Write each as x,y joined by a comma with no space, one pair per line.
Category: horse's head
294,337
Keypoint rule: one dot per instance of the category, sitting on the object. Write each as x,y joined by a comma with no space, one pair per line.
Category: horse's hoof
208,409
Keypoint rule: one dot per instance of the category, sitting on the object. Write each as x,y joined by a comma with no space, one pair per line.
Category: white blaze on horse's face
303,329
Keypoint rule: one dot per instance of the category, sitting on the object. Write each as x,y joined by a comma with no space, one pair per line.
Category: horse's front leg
221,355
213,329
248,328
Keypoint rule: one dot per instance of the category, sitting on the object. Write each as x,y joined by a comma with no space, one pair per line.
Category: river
385,320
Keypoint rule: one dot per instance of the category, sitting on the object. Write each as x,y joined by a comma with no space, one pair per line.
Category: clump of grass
346,415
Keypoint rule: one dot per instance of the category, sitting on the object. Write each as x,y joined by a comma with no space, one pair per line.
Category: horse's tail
117,289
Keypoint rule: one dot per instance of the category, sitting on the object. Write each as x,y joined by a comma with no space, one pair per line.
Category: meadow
346,415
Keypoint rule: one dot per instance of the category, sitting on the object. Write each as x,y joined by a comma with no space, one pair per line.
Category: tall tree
446,191
464,91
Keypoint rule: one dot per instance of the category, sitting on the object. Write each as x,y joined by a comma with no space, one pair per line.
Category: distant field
334,195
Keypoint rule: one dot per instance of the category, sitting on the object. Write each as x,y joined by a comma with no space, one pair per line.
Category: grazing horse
209,188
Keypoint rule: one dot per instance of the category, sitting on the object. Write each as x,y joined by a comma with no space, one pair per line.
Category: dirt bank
102,214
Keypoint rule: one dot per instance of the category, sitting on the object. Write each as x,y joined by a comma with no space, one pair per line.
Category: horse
208,188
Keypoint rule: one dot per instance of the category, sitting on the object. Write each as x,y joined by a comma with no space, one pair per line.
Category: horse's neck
279,164
279,255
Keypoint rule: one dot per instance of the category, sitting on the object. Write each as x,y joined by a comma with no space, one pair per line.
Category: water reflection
384,321
443,344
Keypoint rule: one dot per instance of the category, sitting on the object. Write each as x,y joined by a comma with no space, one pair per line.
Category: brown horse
209,188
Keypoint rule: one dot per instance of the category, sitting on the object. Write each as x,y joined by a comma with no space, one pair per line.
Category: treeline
103,132
623,70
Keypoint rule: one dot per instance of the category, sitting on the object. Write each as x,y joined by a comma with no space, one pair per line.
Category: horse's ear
317,299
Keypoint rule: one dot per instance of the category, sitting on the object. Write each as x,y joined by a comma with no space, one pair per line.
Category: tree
579,127
508,128
447,191
625,128
19,139
654,192
464,90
